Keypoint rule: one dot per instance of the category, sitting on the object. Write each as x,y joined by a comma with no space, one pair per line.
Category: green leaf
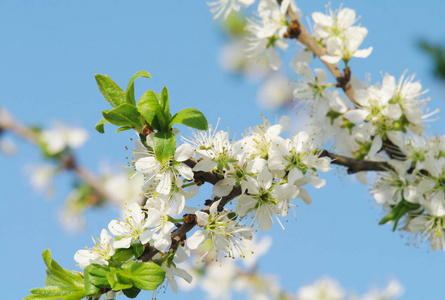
76,296
165,103
165,146
122,255
150,109
398,212
95,278
90,288
190,117
100,125
138,249
147,276
130,87
55,273
110,90
132,292
124,115
54,292
123,128
128,264
120,280
61,283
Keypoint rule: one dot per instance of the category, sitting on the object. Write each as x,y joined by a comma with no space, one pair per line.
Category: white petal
346,17
183,152
356,115
145,236
322,76
264,219
375,146
362,177
122,243
223,187
316,181
203,218
274,58
363,53
205,165
331,59
304,195
197,239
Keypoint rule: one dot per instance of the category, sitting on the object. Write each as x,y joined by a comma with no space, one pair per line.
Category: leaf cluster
151,114
122,274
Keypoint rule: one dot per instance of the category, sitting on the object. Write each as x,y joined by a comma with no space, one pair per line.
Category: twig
356,165
298,31
8,123
353,165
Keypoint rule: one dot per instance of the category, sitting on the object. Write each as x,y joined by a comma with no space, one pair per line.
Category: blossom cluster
417,186
384,122
336,33
267,33
267,170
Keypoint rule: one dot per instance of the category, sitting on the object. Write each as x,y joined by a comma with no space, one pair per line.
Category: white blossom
133,227
61,137
100,254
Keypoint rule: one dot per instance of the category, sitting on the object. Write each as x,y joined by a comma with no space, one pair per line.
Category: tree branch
8,123
356,165
353,165
299,32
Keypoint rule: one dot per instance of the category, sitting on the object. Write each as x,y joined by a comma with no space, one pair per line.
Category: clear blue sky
52,49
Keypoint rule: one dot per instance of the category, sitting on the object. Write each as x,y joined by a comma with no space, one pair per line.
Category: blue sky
49,55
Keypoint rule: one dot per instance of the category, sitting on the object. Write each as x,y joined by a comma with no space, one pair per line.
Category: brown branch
353,165
298,31
356,165
179,234
8,123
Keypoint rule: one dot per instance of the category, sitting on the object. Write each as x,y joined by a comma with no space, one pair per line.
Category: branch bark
298,31
8,123
353,165
356,165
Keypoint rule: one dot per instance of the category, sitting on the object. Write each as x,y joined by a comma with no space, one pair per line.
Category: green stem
189,184
173,220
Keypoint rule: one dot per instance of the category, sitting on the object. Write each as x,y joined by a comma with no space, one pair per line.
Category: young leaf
150,109
110,90
132,292
123,128
124,115
122,255
54,292
55,273
165,103
120,280
138,249
130,87
90,288
100,125
190,117
95,278
147,276
128,264
165,146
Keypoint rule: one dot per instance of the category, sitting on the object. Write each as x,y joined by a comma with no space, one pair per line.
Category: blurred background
52,49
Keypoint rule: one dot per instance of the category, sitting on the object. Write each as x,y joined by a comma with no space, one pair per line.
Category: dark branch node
293,31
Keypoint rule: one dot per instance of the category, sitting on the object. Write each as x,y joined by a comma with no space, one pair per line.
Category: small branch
8,123
353,165
356,165
298,31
